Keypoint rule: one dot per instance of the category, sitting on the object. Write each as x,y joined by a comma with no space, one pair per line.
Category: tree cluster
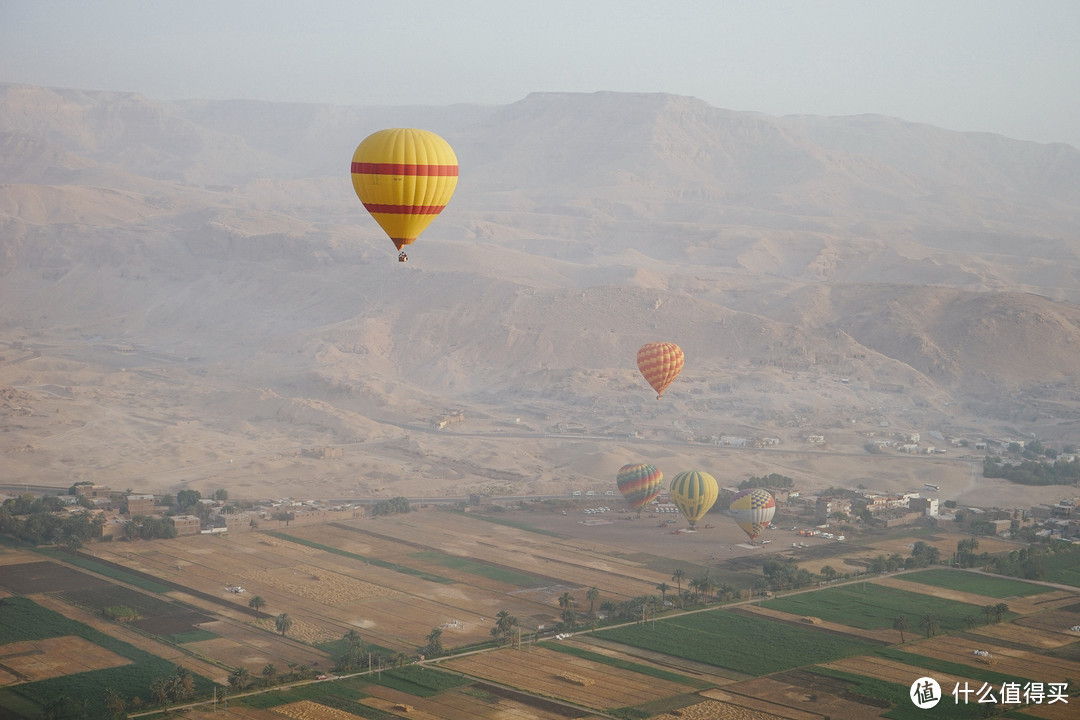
38,522
392,506
1033,472
772,480
147,527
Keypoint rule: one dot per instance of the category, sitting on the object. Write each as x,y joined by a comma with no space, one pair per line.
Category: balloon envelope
753,510
639,483
694,493
660,363
405,178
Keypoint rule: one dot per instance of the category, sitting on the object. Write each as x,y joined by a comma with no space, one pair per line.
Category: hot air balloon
753,510
660,363
694,493
639,483
404,177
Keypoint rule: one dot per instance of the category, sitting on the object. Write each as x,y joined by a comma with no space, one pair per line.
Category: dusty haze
192,296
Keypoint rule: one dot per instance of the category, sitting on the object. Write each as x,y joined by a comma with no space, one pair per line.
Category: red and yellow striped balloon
405,178
660,363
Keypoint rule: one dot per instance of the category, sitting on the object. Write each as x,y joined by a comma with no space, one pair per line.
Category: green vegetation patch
192,636
639,668
961,581
897,695
1063,565
871,606
512,523
419,680
23,619
404,569
345,689
745,643
485,570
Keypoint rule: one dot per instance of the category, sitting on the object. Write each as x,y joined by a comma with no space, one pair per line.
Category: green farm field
872,606
978,584
745,643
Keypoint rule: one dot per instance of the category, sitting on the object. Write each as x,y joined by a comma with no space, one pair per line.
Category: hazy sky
1003,66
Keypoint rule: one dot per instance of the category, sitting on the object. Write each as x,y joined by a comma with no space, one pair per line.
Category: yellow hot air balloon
405,178
660,363
694,493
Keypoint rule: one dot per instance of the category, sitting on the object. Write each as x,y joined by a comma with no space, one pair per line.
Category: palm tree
999,611
987,610
901,624
256,603
677,576
725,591
159,691
694,586
970,621
240,678
592,596
398,659
663,588
828,572
707,585
434,646
283,623
505,623
930,623
269,672
566,600
115,704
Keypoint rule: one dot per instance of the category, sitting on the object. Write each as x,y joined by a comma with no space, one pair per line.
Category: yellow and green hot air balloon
639,483
405,178
694,493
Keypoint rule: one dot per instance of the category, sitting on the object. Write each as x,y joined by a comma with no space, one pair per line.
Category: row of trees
930,623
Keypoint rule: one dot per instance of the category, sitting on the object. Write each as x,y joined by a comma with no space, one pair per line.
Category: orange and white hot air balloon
405,178
660,363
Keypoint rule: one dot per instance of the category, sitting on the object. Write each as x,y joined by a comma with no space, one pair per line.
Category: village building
140,505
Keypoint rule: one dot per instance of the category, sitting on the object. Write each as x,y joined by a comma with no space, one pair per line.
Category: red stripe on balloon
404,209
367,168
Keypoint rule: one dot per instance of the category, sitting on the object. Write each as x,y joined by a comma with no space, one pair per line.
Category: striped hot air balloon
660,363
694,493
753,510
639,483
405,178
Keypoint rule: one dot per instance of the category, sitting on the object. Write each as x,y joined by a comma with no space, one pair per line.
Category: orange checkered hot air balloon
660,363
405,178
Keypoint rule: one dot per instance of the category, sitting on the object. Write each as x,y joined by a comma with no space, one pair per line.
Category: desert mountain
188,283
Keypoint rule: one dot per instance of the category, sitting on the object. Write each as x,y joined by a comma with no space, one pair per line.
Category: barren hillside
190,294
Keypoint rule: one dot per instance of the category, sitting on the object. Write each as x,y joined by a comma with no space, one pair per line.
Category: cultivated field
33,660
394,579
576,680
